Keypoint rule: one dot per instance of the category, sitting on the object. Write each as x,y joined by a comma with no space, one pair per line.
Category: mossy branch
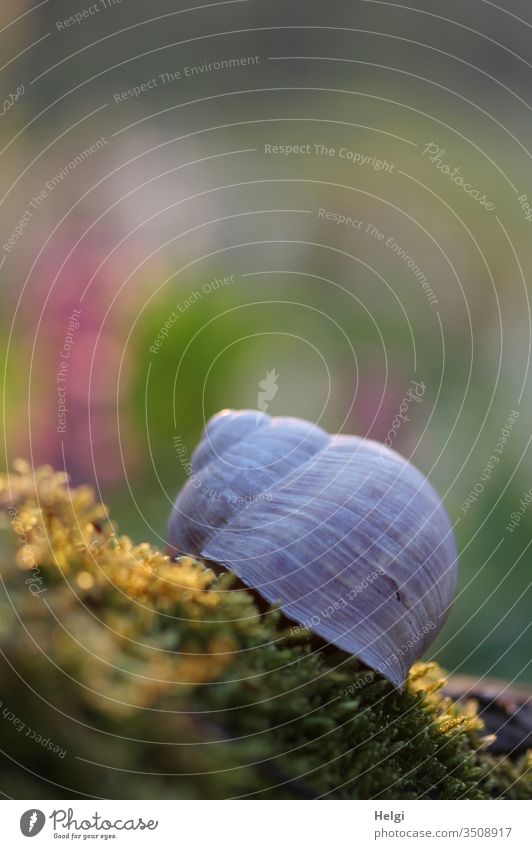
156,679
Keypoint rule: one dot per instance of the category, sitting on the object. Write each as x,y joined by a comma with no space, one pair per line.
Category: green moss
159,681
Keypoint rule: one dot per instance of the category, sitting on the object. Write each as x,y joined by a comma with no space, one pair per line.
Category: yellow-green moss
157,680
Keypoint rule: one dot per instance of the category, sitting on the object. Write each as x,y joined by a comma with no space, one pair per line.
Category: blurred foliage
416,80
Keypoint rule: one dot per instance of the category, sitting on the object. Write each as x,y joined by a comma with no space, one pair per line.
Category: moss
128,676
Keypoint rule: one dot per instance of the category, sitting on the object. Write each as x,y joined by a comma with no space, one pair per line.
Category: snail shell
347,537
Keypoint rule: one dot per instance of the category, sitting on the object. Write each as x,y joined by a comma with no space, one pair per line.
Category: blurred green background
183,192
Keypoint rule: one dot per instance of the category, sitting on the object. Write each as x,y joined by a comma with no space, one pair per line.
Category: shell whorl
347,537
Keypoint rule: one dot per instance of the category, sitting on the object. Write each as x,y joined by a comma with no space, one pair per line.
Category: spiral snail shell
347,537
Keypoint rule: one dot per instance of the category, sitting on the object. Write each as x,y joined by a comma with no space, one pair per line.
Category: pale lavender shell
347,537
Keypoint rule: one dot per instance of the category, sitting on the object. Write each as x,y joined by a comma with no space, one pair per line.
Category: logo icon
32,822
269,390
